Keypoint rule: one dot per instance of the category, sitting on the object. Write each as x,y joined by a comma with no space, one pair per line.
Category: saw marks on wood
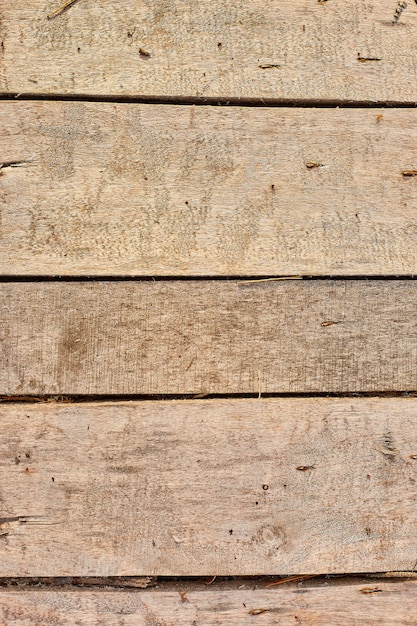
292,49
207,337
142,190
209,487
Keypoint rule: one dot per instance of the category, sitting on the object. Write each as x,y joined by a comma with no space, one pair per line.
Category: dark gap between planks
78,399
231,278
198,583
212,101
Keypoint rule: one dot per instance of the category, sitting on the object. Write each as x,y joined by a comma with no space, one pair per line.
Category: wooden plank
106,189
251,49
215,487
205,337
392,604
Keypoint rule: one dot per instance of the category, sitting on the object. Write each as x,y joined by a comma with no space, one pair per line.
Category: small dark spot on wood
409,173
273,187
186,202
265,487
269,66
153,543
144,54
256,503
78,49
304,28
362,59
368,531
368,477
285,486
27,455
311,165
53,479
219,45
230,532
17,459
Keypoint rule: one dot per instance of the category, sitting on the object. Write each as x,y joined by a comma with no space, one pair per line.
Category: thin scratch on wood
61,9
292,579
268,280
409,173
362,59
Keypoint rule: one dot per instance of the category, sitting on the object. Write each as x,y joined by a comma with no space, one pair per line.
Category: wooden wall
208,312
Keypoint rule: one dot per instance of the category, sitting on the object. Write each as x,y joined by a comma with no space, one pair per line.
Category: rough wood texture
202,337
251,49
229,487
105,189
393,604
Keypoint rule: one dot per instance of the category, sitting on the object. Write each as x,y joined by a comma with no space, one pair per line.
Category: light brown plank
326,604
211,49
107,189
230,487
202,337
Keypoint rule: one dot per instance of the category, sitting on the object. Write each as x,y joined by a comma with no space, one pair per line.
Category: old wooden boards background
182,285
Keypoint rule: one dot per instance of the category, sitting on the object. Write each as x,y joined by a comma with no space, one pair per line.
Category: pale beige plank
106,189
230,487
211,49
337,605
202,337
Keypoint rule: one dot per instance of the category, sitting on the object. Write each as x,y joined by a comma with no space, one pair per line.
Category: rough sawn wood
188,488
291,49
205,337
139,190
392,604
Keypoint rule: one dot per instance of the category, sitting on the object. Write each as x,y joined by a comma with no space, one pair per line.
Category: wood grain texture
288,49
338,605
105,189
205,337
215,487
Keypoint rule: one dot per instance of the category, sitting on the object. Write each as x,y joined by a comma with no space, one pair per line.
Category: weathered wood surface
204,337
341,605
289,49
105,189
230,487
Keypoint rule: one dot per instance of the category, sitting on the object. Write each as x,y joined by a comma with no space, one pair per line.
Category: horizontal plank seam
79,399
167,583
211,101
234,278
